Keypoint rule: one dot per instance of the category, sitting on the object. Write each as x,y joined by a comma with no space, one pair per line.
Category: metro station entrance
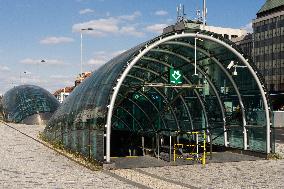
160,140
184,81
193,83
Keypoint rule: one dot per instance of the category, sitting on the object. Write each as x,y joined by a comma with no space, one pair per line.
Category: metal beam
150,120
149,100
229,77
119,119
131,116
164,39
156,73
188,81
210,83
165,98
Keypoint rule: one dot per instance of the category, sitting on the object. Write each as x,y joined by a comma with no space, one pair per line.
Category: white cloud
248,27
130,30
60,77
97,61
115,53
170,20
120,25
102,57
13,78
156,28
52,62
40,62
4,68
56,40
85,11
7,81
130,17
100,26
161,13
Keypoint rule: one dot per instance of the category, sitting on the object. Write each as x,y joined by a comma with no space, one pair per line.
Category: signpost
175,76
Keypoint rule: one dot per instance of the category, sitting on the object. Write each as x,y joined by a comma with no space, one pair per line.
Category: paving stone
26,163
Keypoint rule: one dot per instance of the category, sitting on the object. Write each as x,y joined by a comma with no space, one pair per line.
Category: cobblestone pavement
246,174
26,163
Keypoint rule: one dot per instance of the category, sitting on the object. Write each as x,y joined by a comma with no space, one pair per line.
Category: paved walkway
247,174
25,163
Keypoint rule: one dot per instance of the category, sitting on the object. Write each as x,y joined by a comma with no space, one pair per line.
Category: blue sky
32,30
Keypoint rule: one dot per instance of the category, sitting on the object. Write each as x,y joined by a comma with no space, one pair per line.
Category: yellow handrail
197,145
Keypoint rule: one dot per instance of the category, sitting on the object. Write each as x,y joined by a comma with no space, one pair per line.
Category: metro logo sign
175,76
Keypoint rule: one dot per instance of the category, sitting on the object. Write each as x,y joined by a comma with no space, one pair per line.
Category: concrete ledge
109,166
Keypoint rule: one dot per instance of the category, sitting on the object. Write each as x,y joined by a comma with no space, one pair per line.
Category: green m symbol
175,76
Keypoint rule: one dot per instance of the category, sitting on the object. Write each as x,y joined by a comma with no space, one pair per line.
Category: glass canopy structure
181,81
28,104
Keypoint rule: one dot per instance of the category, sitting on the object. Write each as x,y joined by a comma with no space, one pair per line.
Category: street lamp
195,54
42,61
83,29
21,77
235,66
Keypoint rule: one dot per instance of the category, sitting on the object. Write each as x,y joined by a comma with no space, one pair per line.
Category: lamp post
21,77
81,68
235,66
38,72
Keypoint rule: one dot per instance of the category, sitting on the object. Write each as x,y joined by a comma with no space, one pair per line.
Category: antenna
180,13
177,13
198,15
204,13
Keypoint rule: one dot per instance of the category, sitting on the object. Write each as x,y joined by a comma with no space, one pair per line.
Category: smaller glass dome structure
28,104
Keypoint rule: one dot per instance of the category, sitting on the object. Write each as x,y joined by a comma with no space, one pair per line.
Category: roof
143,106
90,100
21,102
67,90
270,4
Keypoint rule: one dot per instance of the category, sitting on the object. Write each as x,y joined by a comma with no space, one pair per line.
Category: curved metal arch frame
150,120
245,140
165,98
119,119
198,95
211,85
149,100
131,116
188,81
222,68
156,73
172,37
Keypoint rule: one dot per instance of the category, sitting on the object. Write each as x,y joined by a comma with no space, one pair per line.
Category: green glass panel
235,137
257,138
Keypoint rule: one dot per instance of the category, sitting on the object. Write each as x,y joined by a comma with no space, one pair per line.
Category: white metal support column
176,36
81,62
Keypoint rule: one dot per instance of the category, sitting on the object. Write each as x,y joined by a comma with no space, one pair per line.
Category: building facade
268,42
245,43
81,77
227,33
62,94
